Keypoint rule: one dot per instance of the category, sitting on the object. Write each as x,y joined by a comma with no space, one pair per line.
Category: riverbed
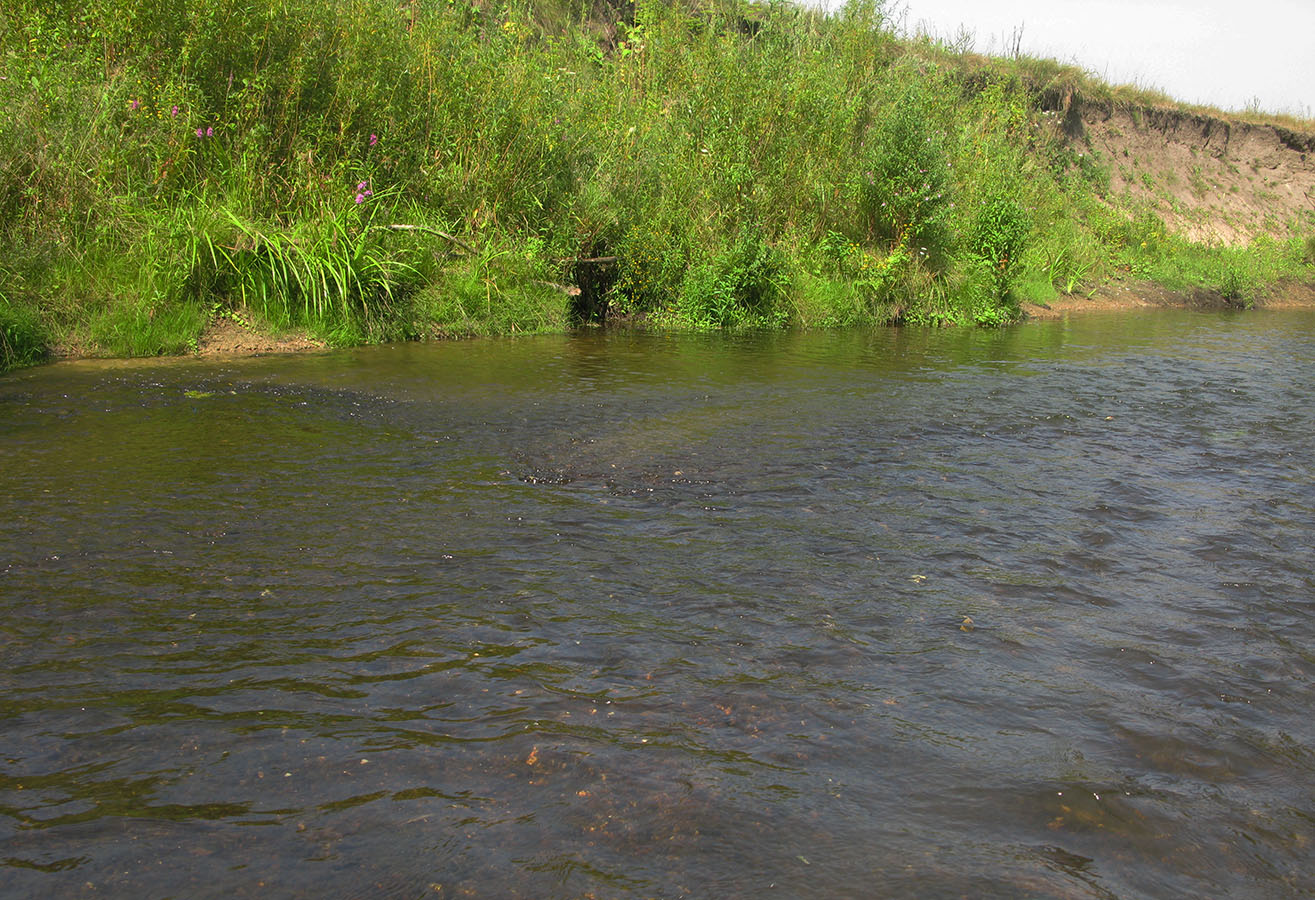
894,613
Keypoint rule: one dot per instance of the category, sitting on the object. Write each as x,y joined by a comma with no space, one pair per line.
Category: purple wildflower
210,132
374,139
200,132
174,112
360,198
363,185
136,104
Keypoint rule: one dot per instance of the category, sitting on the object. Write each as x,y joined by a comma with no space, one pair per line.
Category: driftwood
569,290
425,228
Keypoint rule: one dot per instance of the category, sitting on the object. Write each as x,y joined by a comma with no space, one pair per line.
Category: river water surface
903,613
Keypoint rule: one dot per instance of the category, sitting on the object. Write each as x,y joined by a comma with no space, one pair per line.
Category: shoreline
1123,296
692,169
226,339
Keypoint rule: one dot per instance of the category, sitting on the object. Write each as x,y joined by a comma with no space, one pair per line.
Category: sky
1222,53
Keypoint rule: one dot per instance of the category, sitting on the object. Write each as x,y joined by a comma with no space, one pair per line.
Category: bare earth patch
1211,180
1125,295
224,337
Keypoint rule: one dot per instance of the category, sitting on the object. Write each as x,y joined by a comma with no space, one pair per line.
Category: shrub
998,236
904,185
652,261
1233,276
738,287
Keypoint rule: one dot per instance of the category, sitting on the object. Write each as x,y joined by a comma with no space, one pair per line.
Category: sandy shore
1131,295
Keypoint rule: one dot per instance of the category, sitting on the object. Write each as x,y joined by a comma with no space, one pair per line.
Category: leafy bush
1233,283
737,287
904,186
997,237
652,261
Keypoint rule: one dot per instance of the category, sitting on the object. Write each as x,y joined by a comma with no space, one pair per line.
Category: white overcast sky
1224,53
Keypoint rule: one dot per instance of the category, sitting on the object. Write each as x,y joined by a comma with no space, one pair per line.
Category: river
893,613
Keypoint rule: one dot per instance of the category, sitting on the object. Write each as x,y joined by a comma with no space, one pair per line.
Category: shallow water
903,613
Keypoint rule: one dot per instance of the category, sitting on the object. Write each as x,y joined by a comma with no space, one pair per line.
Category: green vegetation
22,338
374,170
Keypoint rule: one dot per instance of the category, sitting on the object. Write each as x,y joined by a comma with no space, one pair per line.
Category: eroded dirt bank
1132,295
1212,180
223,337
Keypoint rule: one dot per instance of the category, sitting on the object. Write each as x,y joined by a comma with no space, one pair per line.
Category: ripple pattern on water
1012,614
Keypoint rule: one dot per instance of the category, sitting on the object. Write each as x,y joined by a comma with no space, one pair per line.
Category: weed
1234,280
733,289
904,190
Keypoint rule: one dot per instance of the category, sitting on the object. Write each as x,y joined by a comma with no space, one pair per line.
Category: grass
22,338
365,170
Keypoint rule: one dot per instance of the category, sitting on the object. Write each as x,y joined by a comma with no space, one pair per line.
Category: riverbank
1135,295
224,337
493,168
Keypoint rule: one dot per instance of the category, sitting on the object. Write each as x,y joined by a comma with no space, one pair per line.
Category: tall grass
719,163
22,338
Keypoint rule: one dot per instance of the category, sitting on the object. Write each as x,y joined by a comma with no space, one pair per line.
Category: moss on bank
366,170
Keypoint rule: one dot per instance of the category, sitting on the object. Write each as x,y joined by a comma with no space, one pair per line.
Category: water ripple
1020,613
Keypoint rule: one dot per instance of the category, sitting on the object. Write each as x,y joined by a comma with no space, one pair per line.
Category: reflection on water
905,613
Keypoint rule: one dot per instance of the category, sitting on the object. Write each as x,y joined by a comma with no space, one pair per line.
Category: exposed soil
224,337
1124,295
1212,180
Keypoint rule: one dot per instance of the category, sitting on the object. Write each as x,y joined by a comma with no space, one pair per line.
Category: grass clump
23,339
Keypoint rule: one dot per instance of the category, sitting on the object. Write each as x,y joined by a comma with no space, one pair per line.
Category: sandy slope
1212,180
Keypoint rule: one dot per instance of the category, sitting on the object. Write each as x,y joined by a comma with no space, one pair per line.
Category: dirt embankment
1212,180
1125,295
223,337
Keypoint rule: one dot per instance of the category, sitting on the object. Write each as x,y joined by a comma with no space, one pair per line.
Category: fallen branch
569,290
425,228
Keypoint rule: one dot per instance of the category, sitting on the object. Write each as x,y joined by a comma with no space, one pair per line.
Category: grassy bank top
370,170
